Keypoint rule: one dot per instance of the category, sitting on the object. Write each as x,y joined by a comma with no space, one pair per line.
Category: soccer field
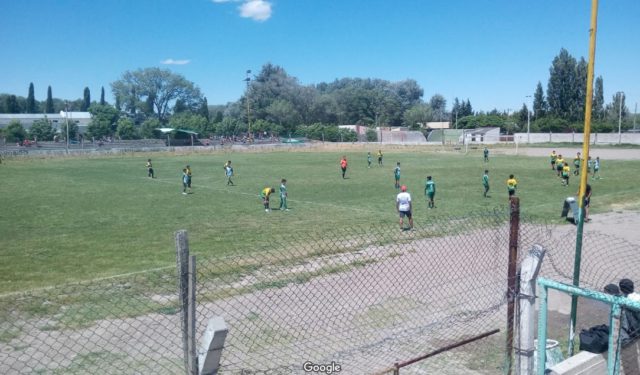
68,219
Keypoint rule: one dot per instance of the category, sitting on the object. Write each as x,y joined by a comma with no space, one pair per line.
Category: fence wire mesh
124,325
361,298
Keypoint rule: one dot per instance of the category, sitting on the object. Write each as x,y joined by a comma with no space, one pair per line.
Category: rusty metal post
514,229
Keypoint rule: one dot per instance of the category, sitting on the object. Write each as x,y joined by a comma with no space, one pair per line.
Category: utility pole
528,122
66,107
620,97
248,79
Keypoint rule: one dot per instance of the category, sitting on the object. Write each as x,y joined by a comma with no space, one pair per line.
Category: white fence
596,138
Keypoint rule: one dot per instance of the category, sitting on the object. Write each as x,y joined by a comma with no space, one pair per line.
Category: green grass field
69,219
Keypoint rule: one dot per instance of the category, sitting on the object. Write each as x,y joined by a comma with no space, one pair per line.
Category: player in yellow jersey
512,185
565,174
265,194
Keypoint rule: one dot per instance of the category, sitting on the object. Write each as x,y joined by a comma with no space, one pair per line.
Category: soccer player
283,195
553,157
343,165
559,165
512,185
185,181
485,182
576,165
149,169
589,165
380,158
565,174
486,154
228,171
430,191
396,175
369,159
596,168
403,206
189,175
265,194
224,167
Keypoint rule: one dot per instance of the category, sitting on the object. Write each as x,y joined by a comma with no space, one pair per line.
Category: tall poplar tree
561,88
49,103
598,99
86,102
102,101
31,100
539,102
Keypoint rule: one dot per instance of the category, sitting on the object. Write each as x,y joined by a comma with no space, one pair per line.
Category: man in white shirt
403,206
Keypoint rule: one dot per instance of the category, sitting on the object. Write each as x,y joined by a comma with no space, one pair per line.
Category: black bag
595,339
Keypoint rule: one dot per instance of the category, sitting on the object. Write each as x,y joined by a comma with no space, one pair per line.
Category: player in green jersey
430,191
283,195
485,182
396,175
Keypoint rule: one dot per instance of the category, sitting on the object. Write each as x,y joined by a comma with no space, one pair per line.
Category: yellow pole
583,167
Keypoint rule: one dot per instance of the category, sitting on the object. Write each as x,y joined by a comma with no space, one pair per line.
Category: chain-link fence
360,298
123,325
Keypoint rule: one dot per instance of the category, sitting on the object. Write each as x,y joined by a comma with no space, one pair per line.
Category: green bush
15,132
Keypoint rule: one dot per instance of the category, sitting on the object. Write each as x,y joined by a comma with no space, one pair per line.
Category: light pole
620,98
248,79
66,115
528,122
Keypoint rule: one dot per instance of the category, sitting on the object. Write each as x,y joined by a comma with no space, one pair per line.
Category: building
57,120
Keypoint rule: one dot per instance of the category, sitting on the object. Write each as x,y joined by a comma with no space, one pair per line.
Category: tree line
275,103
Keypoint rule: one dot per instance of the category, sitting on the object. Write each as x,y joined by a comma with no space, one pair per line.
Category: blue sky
492,52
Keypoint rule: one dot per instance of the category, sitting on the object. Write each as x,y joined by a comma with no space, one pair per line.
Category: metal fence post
182,261
542,331
191,317
514,225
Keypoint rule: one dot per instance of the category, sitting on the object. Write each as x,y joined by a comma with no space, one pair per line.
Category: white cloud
258,10
175,62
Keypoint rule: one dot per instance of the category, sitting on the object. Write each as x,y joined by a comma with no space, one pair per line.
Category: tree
283,113
539,102
438,105
597,107
417,115
49,104
104,120
31,100
161,87
86,102
125,129
614,108
12,104
148,128
580,91
467,110
523,114
42,130
15,132
190,121
204,109
102,101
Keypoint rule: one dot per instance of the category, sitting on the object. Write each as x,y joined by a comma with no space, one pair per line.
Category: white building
57,120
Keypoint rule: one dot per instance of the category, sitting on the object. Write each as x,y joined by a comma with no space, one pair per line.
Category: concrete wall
596,138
